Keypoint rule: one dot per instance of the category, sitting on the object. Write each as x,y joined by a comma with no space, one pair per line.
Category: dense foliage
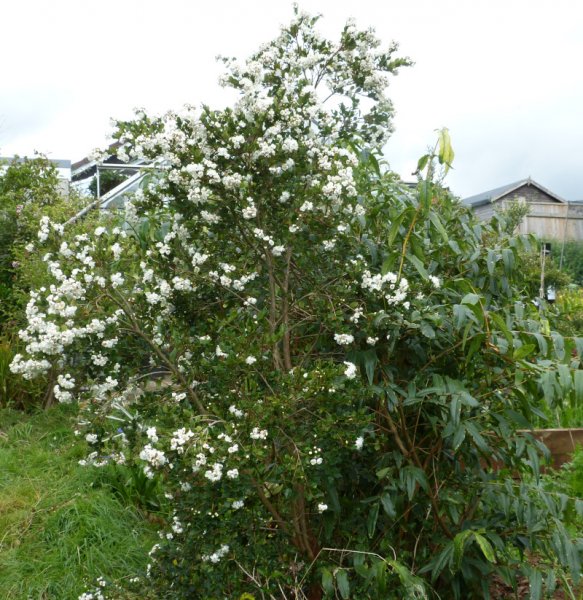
327,372
570,258
28,190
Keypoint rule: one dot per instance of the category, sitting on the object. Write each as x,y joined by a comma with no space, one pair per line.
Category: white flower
322,507
278,250
117,280
250,211
155,457
99,231
359,442
350,371
233,473
250,360
371,341
209,217
220,353
151,433
235,411
91,438
344,339
258,434
99,360
215,473
307,206
216,556
435,281
289,145
237,504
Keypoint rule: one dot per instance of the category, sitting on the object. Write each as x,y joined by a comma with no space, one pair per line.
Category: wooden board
560,442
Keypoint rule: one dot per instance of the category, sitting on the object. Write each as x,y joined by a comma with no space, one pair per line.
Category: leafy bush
328,373
30,193
572,260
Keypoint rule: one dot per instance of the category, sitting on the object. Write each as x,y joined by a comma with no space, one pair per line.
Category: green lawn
58,532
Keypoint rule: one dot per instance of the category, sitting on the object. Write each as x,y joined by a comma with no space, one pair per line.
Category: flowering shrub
325,370
27,190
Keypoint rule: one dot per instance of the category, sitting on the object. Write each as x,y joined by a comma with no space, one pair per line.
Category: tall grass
58,531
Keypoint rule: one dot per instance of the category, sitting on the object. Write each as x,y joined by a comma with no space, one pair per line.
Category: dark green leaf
371,523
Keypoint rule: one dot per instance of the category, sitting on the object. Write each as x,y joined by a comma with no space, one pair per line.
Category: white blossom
344,339
351,370
258,434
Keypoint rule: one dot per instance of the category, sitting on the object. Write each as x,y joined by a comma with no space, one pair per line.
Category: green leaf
503,327
458,437
434,218
395,226
459,543
389,507
422,163
542,343
455,247
535,581
524,351
371,523
333,495
425,195
342,583
327,581
427,330
471,299
370,360
479,441
445,152
491,261
508,260
578,385
382,473
485,547
358,560
418,265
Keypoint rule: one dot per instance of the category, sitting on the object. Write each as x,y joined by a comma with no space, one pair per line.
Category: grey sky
504,76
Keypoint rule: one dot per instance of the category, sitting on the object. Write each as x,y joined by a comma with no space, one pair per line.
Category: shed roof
497,193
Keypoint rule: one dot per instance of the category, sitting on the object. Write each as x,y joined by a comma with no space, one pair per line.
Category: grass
58,531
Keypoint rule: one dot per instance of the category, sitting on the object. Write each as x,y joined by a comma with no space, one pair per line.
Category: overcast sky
506,76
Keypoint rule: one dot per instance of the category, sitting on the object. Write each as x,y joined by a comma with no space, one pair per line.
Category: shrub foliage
330,374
